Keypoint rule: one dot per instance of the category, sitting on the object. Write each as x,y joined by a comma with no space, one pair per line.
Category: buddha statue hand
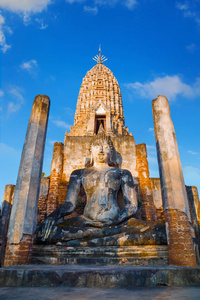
46,230
64,210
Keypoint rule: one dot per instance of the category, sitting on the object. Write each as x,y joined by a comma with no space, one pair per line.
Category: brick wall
148,211
55,177
19,254
42,203
180,239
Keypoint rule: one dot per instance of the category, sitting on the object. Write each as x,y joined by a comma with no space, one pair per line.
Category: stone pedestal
55,178
174,197
25,202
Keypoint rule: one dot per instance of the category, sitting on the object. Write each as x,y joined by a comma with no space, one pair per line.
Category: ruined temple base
132,255
123,256
99,276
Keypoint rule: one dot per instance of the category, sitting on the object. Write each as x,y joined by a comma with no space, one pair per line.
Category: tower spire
100,58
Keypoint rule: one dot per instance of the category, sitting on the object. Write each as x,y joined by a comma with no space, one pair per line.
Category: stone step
99,276
132,255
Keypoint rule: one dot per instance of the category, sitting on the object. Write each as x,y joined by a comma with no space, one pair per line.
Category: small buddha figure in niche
102,217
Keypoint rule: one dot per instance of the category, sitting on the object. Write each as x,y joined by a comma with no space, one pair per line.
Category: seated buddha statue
103,221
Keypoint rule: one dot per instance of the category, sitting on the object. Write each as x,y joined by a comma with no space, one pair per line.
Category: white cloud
52,142
189,10
130,4
191,175
8,149
29,6
14,106
92,10
69,111
29,65
60,123
1,93
3,44
26,19
74,1
151,129
151,147
191,47
170,86
41,23
192,152
152,160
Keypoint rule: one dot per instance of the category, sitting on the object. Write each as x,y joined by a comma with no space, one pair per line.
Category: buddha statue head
101,149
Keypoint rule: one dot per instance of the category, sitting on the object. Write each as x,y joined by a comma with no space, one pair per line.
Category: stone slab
101,276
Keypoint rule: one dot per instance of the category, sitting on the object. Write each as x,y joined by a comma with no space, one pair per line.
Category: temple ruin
166,201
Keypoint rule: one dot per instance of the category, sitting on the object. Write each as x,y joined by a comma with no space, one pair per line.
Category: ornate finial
100,58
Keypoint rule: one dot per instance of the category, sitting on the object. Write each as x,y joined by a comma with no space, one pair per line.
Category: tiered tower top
99,102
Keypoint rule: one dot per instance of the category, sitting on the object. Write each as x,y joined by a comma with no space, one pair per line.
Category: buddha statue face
101,152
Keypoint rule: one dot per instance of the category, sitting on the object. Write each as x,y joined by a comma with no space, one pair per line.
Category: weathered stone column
5,217
55,177
24,211
147,208
174,197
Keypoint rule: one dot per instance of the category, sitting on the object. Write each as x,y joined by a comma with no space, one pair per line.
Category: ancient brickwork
62,192
193,198
194,205
5,217
180,239
55,177
42,203
147,206
157,198
19,254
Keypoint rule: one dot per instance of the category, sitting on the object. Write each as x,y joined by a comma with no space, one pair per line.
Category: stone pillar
43,196
147,208
25,202
55,177
5,217
174,197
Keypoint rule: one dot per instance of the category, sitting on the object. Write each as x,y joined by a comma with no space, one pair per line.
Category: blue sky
152,46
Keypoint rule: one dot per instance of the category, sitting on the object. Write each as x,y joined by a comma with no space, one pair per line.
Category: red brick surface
181,247
55,178
19,254
148,211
